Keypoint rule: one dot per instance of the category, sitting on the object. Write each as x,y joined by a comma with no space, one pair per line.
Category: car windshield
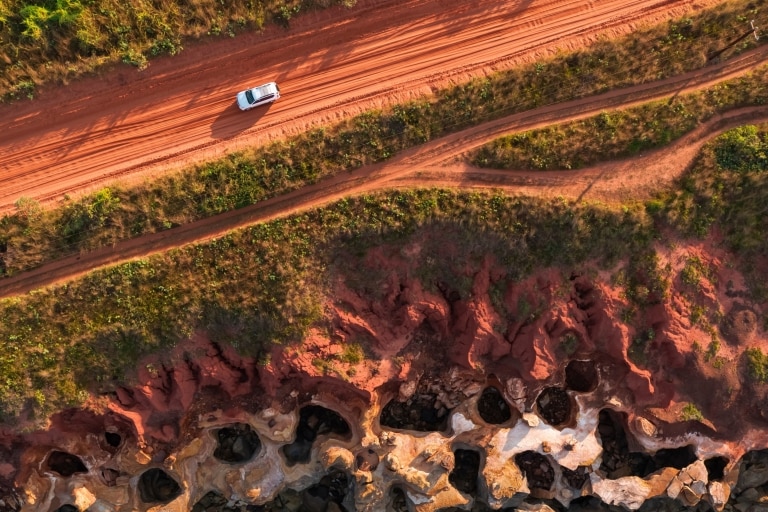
249,97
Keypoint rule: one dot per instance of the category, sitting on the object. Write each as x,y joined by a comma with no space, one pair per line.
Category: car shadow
232,121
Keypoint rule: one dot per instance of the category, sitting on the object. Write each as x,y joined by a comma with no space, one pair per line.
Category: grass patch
691,413
757,364
620,133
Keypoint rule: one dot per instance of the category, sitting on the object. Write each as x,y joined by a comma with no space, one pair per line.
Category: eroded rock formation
556,402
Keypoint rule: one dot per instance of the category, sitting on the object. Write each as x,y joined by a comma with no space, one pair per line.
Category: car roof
264,90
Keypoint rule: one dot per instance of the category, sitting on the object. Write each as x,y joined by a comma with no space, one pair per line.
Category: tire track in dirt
330,65
417,167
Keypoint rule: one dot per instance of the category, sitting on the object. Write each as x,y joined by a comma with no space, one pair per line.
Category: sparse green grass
694,271
245,178
569,344
638,349
620,133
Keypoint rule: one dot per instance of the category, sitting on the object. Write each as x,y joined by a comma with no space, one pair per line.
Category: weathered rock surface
544,397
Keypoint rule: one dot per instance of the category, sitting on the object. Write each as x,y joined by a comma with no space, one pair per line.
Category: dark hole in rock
398,501
113,439
536,469
327,494
157,486
422,413
739,325
592,504
465,471
554,406
67,508
65,463
581,376
716,467
492,407
109,476
314,421
585,296
618,461
213,501
667,504
576,478
236,444
367,460
675,457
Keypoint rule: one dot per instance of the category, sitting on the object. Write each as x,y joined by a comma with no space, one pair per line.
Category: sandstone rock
675,487
531,419
719,493
441,496
143,457
689,497
338,457
645,426
697,471
503,480
629,492
82,498
392,463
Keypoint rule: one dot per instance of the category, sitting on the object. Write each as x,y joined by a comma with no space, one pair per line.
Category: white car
260,95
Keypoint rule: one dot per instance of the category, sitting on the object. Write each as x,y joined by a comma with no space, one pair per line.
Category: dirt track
82,143
429,165
329,65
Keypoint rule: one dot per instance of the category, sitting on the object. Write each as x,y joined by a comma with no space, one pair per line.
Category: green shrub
691,413
743,150
757,364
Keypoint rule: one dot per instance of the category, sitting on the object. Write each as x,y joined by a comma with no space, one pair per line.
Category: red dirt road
425,165
329,65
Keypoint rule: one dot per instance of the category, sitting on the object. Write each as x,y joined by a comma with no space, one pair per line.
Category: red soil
330,65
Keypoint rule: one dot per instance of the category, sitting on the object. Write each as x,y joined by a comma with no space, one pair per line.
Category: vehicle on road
257,96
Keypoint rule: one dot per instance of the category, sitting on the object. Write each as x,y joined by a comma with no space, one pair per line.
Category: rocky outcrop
507,394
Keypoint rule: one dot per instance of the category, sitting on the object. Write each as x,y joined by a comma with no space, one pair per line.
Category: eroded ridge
445,413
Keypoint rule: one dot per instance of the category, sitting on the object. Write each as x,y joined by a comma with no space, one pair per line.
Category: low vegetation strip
33,236
47,40
265,284
620,133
